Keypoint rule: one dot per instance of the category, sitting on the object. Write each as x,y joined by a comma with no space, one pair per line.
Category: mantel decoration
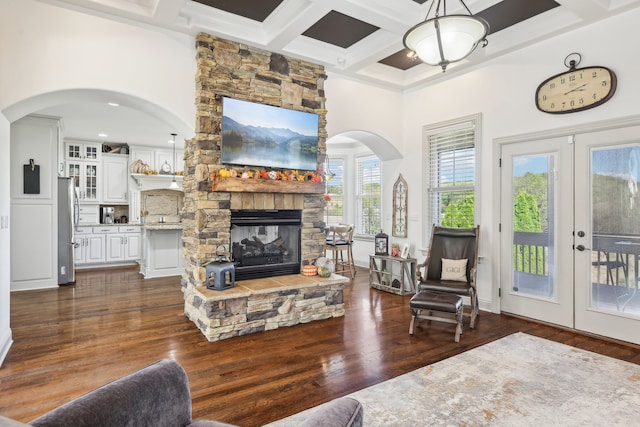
234,180
444,39
400,207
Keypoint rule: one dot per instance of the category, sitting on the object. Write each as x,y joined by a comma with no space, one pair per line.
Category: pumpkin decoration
309,270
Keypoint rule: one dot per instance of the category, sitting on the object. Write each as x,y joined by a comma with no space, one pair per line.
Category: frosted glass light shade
446,39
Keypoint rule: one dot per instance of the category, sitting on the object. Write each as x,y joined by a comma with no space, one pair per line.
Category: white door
570,231
608,223
536,268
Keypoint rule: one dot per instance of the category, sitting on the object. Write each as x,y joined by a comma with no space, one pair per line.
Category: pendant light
328,174
444,39
174,184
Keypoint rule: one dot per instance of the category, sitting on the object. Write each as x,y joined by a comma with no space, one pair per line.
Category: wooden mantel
250,185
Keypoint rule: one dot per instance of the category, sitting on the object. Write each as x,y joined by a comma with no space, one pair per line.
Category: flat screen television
261,135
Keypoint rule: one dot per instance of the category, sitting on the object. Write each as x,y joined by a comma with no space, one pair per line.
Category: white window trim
428,130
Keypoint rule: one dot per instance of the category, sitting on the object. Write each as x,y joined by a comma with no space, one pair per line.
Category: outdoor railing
531,252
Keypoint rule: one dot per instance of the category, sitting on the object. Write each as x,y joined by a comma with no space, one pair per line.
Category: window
334,212
368,195
450,167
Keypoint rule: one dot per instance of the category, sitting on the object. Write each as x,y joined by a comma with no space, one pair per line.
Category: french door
570,231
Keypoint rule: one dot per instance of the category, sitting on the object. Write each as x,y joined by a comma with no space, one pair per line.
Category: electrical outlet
63,270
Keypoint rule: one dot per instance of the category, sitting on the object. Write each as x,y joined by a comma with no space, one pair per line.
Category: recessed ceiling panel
401,60
258,10
339,29
510,12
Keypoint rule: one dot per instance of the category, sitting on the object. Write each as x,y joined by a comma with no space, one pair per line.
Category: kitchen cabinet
115,178
161,251
155,158
89,248
88,214
87,151
107,244
166,156
123,245
86,176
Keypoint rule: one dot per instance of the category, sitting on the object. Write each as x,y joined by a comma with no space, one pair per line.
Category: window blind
451,175
368,195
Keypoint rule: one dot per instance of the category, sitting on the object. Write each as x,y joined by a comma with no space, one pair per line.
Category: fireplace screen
265,243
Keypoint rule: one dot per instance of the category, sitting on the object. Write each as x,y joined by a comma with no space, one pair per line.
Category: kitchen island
161,250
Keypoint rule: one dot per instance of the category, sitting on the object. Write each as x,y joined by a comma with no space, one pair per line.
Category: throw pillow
454,269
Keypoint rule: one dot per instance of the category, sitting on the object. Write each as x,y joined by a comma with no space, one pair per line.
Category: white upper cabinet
156,157
146,155
86,175
115,177
77,150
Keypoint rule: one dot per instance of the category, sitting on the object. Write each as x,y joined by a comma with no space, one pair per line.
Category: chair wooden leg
352,266
412,324
458,325
474,308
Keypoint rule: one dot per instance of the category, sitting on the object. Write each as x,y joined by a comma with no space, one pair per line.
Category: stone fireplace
235,70
229,69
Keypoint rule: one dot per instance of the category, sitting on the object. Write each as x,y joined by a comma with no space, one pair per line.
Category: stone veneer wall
226,68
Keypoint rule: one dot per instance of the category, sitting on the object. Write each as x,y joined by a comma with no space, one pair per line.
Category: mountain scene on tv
265,136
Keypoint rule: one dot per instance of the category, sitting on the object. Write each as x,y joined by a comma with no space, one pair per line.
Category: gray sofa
157,396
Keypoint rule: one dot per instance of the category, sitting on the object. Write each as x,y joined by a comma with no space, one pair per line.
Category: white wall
48,50
5,255
503,92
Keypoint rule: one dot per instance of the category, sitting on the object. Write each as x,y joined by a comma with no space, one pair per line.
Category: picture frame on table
405,251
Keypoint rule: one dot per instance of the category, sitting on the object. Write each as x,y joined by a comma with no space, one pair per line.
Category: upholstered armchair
451,264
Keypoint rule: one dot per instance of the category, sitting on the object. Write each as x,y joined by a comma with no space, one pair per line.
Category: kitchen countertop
126,224
163,226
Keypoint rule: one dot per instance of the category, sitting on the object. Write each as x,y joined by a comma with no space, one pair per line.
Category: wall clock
577,89
165,168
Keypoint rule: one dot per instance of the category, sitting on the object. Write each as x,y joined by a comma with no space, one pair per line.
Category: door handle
582,248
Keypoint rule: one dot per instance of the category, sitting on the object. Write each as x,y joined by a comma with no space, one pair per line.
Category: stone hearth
264,304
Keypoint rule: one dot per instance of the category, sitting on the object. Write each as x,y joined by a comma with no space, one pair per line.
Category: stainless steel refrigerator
67,222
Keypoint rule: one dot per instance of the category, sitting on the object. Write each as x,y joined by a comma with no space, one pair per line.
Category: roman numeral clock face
576,90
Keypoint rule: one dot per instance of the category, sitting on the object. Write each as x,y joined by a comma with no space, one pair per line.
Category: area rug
519,380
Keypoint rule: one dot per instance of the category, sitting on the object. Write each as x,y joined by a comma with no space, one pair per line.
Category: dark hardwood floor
70,340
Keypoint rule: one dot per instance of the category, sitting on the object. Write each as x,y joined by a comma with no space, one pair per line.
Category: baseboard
5,344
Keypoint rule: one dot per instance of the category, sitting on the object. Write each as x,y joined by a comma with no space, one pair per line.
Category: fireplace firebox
265,243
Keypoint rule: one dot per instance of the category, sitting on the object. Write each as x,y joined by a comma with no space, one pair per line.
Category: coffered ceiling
361,39
358,38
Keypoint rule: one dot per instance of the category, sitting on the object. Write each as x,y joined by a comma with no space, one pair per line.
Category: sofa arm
157,395
342,412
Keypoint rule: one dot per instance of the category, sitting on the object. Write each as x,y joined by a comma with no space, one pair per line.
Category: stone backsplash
161,206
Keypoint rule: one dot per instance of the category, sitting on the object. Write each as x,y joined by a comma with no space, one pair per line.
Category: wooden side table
392,274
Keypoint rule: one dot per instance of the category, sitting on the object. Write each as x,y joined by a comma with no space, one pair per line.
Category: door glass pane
533,226
615,232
